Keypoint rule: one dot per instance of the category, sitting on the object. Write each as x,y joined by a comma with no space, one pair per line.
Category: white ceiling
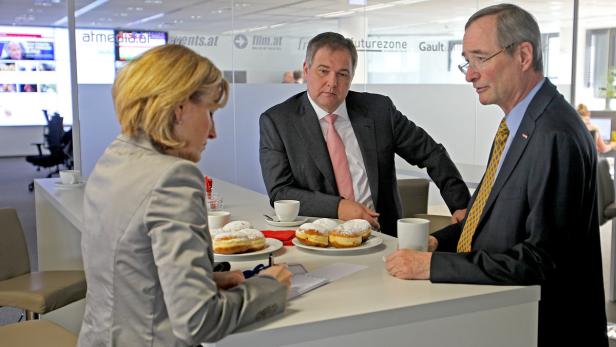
290,17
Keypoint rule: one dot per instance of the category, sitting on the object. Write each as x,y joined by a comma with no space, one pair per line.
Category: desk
367,308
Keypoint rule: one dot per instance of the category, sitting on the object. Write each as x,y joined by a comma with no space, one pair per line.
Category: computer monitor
605,127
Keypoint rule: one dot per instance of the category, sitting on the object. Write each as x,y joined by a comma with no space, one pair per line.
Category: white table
368,308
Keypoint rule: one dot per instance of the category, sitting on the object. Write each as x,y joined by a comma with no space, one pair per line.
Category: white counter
367,308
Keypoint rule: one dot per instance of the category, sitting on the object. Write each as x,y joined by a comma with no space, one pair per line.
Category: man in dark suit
363,132
533,219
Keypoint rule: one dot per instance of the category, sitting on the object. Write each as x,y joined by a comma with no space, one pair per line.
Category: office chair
34,292
414,199
36,333
58,145
605,192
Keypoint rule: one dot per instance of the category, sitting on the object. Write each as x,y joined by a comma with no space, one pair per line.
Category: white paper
302,283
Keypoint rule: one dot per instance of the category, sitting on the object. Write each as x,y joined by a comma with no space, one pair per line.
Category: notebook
303,283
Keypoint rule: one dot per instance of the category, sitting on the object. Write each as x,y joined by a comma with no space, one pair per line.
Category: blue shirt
514,118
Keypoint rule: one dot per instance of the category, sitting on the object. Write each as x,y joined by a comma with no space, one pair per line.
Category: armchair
414,198
34,292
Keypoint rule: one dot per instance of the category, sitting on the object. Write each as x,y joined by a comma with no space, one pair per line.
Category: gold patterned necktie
464,244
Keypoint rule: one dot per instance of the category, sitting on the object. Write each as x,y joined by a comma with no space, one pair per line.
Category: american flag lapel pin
524,136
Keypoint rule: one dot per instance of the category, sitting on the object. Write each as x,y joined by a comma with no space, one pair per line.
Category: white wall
17,141
97,122
447,112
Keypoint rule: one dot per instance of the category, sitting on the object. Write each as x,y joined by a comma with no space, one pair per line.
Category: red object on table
208,186
286,236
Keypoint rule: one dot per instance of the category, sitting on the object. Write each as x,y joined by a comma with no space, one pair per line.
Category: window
600,61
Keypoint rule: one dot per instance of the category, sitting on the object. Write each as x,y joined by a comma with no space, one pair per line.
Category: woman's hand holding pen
280,273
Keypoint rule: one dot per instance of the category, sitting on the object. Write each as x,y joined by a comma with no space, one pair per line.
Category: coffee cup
70,176
413,233
286,210
218,219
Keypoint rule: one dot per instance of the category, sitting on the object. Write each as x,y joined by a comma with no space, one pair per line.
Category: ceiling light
258,28
374,7
335,14
147,19
81,11
408,2
277,25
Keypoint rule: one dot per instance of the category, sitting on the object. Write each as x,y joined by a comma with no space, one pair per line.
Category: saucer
61,185
298,221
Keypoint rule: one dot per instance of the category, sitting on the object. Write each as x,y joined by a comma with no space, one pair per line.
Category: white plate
298,221
61,185
372,242
272,246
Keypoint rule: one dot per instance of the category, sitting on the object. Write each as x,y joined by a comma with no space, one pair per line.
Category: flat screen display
605,127
28,76
130,44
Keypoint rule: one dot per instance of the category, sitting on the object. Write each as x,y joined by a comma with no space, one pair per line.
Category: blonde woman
602,147
146,247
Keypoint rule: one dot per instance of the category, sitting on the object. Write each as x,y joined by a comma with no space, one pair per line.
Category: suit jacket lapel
364,129
536,107
310,133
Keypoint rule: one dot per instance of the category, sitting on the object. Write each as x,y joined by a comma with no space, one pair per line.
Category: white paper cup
413,233
218,219
70,176
286,210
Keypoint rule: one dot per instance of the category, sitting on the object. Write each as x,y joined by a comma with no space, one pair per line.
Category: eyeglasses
477,62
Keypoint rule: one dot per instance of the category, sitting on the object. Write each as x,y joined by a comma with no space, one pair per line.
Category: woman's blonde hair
148,89
582,110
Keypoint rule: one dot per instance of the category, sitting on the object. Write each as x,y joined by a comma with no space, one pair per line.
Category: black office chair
605,192
57,144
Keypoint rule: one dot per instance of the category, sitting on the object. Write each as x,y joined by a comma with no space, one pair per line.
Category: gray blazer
148,258
540,225
296,165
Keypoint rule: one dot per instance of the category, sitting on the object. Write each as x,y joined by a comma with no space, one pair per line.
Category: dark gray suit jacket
296,165
540,226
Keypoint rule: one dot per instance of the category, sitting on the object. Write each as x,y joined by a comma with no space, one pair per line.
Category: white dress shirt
343,126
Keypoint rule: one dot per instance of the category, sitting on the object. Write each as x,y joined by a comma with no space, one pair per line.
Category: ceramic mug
70,176
286,210
413,233
218,219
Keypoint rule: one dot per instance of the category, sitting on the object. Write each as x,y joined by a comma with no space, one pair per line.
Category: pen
270,261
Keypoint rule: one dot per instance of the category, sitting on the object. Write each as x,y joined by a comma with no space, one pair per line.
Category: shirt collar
341,111
514,117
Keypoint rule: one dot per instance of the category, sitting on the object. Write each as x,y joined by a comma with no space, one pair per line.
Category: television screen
130,44
605,127
29,80
25,45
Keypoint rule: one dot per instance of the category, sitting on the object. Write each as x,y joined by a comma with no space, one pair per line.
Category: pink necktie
337,154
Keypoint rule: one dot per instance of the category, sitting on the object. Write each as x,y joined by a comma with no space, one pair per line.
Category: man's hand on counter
409,264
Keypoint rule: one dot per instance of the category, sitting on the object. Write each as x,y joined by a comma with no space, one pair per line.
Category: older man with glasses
533,218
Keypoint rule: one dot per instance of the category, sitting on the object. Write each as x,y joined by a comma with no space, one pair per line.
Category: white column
356,28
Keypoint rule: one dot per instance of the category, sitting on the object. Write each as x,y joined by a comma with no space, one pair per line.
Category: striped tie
464,244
